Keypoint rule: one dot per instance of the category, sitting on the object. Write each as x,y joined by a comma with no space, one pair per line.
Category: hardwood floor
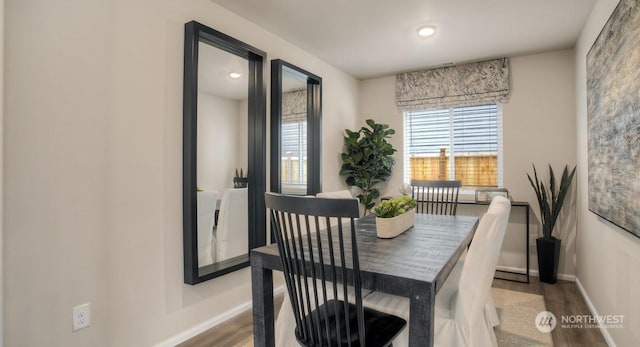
231,333
561,298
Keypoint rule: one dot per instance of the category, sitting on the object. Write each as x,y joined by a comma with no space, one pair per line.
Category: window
473,134
294,153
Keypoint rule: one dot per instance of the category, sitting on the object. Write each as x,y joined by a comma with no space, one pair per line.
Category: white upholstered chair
232,232
461,317
491,313
206,207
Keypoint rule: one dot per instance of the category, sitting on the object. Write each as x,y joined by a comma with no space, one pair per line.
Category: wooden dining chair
436,197
314,264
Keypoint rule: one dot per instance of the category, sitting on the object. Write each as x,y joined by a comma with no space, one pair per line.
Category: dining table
413,264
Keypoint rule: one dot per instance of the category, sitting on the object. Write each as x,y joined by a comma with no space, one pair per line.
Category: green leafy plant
394,207
367,160
551,199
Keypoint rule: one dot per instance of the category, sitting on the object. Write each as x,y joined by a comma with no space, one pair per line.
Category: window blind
471,133
294,152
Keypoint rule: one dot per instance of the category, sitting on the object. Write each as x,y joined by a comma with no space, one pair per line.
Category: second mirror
296,118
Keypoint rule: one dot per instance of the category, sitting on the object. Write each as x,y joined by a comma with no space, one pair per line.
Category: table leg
262,294
421,317
527,208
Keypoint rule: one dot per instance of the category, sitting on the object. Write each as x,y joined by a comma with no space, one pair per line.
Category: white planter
387,228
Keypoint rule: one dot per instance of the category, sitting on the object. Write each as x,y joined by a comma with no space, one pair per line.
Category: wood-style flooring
561,298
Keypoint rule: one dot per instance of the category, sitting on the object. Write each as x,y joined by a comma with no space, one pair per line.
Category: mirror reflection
224,177
221,156
293,134
296,112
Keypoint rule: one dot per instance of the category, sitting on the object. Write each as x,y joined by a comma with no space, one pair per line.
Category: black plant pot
240,182
548,259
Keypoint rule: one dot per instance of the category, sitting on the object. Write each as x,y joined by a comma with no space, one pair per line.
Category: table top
423,255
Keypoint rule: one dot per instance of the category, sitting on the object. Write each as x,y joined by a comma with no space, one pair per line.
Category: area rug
517,312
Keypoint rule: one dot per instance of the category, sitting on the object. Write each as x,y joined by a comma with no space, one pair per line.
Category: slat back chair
313,264
436,197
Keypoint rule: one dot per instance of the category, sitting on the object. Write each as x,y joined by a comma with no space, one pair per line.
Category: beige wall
93,168
539,128
608,258
540,111
1,165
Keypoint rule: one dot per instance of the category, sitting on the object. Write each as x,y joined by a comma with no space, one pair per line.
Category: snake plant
551,199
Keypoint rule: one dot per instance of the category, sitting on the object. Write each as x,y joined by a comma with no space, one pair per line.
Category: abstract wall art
613,119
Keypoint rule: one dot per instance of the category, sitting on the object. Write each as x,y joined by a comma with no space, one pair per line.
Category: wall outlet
81,316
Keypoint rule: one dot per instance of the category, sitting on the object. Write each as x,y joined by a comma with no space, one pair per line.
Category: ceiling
214,66
370,38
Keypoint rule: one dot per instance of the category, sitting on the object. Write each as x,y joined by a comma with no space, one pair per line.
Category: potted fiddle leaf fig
550,201
367,160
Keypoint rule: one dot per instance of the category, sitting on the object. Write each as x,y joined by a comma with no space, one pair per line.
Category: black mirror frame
314,125
194,34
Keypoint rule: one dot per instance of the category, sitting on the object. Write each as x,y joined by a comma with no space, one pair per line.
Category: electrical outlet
81,316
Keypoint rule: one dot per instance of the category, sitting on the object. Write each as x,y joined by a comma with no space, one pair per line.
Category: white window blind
472,133
294,152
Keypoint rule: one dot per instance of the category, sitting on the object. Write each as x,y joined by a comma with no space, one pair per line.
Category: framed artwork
613,119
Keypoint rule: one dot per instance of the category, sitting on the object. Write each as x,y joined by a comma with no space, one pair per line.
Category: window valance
294,105
478,83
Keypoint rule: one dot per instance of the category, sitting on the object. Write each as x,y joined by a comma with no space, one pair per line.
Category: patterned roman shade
294,106
478,83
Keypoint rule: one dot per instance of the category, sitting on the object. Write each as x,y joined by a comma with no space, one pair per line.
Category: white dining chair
232,232
461,317
206,208
491,313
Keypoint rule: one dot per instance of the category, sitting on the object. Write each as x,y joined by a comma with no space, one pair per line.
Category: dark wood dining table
414,264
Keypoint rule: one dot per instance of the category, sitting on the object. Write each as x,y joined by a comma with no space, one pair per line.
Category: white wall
540,111
219,137
56,228
93,167
608,258
1,165
539,128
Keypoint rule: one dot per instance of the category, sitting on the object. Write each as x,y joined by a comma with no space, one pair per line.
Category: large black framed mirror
224,155
296,129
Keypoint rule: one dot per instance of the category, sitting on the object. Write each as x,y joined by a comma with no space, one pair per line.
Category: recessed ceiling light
235,75
426,31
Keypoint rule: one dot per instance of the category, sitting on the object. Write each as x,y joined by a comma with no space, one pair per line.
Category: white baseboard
564,277
594,312
210,323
